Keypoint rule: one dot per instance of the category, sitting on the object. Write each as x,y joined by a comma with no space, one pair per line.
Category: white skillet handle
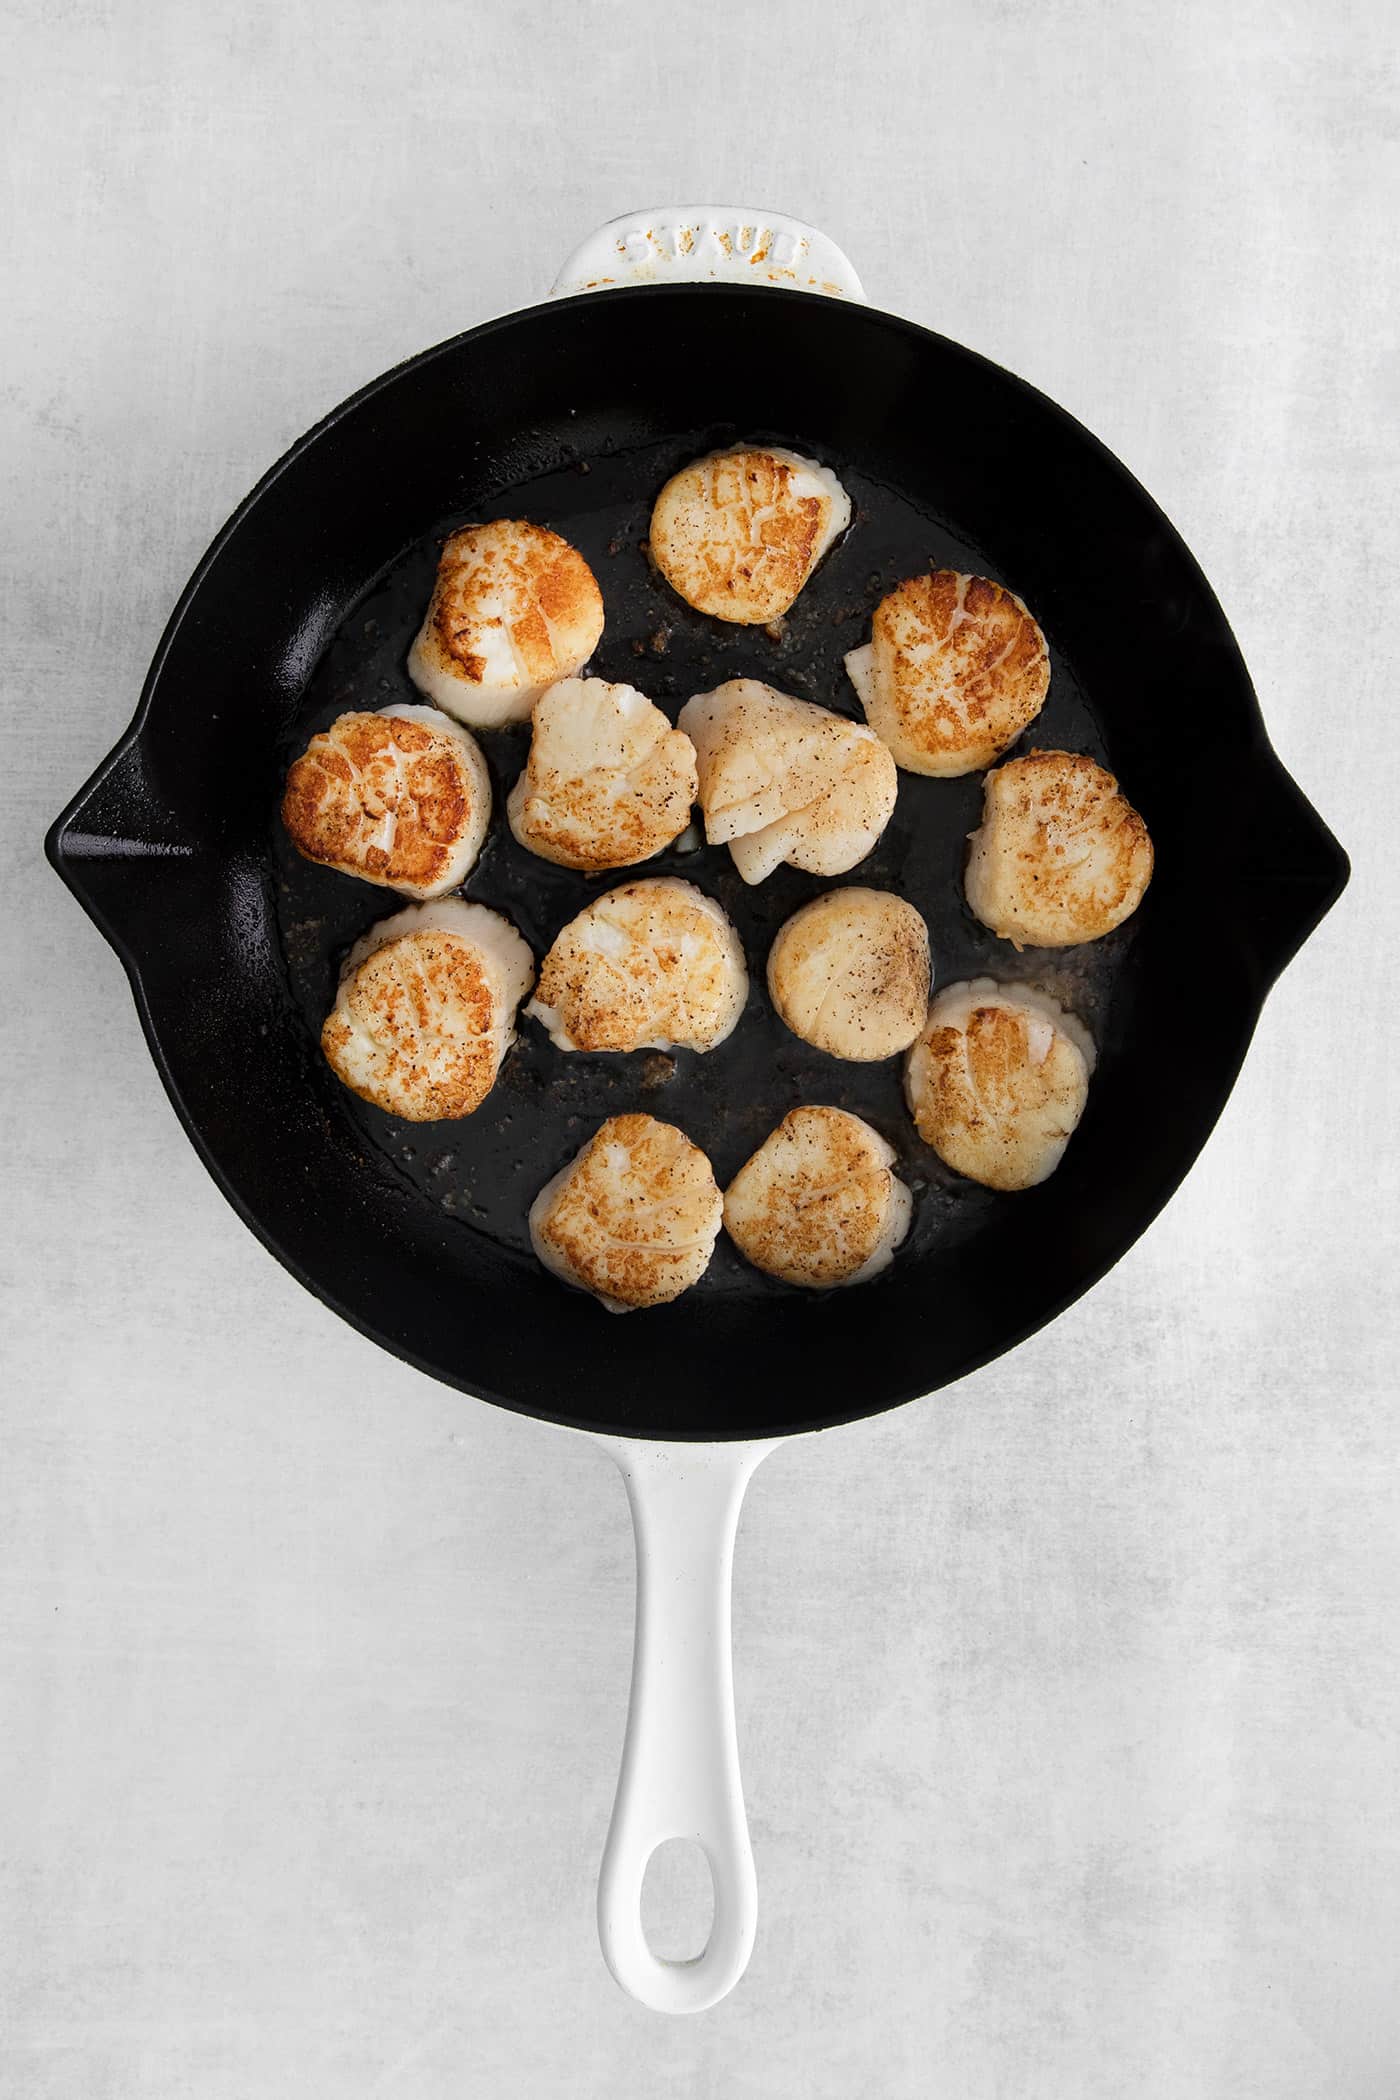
734,244
680,1761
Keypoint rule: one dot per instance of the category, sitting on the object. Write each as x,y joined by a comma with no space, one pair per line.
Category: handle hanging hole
678,1900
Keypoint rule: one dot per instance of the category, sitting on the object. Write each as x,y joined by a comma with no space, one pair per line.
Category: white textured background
1069,1700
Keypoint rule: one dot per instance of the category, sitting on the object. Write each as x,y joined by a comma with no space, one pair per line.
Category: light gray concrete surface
1068,1699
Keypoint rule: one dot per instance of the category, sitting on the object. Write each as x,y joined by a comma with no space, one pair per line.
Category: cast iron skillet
573,414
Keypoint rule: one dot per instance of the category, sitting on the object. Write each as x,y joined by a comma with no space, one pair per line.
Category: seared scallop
849,973
1060,856
818,1204
782,780
400,798
426,1009
997,1081
514,609
633,1217
654,965
954,670
608,781
738,533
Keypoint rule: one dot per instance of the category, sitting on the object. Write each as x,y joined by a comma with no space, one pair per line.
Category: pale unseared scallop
608,781
819,1204
849,973
782,780
514,609
954,670
1060,856
738,533
633,1217
653,965
400,797
426,1009
997,1081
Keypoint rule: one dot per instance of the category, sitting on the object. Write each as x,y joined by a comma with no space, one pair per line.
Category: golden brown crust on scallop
997,1092
369,773
653,962
555,606
812,1205
635,1217
960,668
424,1006
606,801
589,829
735,537
1061,855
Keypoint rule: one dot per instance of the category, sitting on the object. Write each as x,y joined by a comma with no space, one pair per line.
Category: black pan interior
485,1170
574,416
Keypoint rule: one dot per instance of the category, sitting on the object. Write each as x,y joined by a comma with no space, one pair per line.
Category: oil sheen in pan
483,1172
